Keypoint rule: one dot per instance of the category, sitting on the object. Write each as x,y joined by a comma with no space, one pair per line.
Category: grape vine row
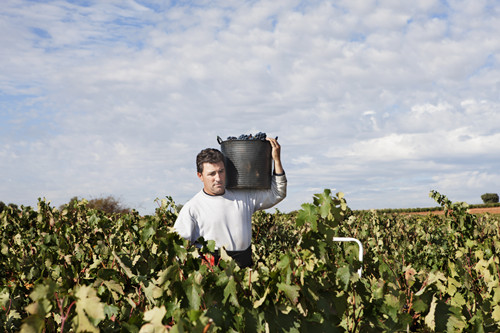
83,270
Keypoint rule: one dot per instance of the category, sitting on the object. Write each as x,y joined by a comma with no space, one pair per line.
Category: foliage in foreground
80,269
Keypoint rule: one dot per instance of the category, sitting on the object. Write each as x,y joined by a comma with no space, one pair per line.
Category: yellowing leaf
438,278
36,321
154,317
153,292
259,302
496,295
458,300
89,310
115,288
4,297
429,319
126,269
496,313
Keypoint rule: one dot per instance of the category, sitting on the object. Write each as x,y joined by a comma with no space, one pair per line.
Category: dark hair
209,155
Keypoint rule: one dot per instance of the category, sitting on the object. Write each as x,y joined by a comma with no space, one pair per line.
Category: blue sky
381,100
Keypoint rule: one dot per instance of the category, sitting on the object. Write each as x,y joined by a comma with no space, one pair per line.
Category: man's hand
276,155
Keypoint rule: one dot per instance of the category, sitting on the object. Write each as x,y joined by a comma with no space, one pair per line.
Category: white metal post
350,239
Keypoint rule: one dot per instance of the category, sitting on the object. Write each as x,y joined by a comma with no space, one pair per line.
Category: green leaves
325,213
344,276
290,291
86,271
308,214
193,293
89,310
230,292
38,310
154,319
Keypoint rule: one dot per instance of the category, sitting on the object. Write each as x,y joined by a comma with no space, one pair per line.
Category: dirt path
491,210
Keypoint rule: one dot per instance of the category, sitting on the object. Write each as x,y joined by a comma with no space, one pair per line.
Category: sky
383,100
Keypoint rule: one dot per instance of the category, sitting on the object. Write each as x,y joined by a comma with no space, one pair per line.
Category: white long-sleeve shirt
227,218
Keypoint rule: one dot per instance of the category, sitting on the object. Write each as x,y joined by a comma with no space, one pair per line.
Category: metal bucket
248,163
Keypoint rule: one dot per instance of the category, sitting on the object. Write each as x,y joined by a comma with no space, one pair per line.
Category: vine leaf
284,262
326,204
259,302
125,268
344,275
308,213
429,318
35,322
154,318
291,292
193,293
114,288
89,310
39,309
230,292
496,313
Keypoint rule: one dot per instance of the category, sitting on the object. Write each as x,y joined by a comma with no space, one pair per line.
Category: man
225,215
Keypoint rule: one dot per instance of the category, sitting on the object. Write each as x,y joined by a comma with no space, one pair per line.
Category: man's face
213,178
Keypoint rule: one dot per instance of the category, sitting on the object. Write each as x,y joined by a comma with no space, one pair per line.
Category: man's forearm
278,168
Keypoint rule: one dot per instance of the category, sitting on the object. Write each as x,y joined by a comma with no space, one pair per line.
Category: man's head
211,171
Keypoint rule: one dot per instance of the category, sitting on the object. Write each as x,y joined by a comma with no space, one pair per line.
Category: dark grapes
259,136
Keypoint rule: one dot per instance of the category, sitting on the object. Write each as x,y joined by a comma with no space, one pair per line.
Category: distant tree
2,206
109,205
490,198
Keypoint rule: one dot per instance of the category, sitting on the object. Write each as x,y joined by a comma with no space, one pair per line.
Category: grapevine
79,269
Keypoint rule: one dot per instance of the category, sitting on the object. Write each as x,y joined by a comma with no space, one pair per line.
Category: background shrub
490,198
108,205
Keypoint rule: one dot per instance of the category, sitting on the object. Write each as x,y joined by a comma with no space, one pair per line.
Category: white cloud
378,99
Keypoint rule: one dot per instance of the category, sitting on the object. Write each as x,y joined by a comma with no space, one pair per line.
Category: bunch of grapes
259,136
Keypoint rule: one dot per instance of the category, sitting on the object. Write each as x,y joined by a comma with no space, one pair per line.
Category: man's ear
200,176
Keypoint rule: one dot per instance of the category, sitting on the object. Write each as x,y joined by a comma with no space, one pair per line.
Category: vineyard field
485,210
76,269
